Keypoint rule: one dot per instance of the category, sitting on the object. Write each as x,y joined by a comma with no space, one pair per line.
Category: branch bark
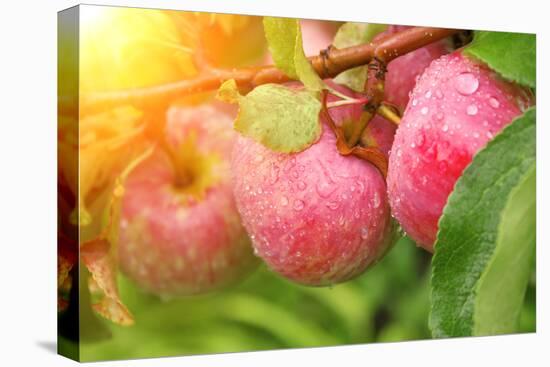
327,64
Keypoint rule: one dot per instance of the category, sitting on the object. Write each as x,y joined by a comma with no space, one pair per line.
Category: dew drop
489,134
260,191
364,233
301,185
376,200
298,205
439,94
428,94
439,116
476,134
361,186
445,128
325,189
414,102
284,201
493,102
424,110
471,110
466,83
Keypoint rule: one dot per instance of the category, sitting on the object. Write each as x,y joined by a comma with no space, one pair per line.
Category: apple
315,217
180,232
456,107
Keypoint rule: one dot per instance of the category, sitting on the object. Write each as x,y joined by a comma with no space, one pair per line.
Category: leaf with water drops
485,242
513,55
282,119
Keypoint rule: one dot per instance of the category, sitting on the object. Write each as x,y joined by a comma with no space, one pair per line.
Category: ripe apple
315,217
180,232
456,107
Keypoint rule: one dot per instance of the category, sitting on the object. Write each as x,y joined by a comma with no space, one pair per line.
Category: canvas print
232,183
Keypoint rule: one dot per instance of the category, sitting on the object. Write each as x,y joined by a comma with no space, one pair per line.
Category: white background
28,174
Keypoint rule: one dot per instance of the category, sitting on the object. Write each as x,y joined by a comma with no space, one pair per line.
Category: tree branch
327,64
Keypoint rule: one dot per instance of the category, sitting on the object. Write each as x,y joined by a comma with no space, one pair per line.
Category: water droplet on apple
361,186
284,201
325,189
364,233
301,185
298,205
376,200
424,110
466,83
493,102
428,94
471,110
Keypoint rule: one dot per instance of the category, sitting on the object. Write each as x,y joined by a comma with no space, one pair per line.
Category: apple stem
350,101
389,113
360,126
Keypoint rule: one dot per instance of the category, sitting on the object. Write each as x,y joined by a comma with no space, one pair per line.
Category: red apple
180,232
315,217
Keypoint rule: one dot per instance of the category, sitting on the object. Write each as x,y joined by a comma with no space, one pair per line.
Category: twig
328,64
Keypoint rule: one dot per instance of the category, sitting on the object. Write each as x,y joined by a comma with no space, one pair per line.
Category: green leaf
513,55
282,119
501,289
475,243
352,34
285,44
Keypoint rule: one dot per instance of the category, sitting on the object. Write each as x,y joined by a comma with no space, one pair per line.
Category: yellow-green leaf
282,119
285,44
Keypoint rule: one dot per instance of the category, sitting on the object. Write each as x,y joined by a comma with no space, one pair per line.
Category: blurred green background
390,302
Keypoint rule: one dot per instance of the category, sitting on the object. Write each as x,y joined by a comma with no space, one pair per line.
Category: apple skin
178,241
404,71
315,217
456,107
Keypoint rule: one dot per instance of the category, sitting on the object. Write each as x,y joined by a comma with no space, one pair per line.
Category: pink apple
315,217
180,232
456,107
